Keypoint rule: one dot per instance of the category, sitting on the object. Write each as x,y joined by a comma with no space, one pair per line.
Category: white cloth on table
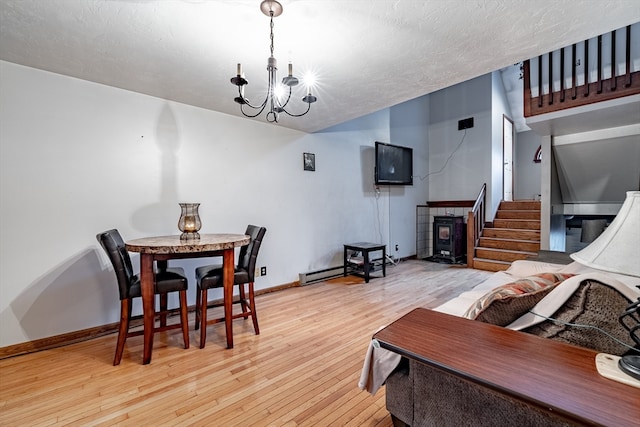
379,363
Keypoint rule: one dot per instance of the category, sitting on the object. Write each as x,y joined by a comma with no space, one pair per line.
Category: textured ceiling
367,54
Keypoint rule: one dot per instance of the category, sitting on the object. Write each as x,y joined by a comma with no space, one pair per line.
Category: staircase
515,235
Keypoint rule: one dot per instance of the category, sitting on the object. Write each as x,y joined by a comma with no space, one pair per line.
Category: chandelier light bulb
309,80
279,92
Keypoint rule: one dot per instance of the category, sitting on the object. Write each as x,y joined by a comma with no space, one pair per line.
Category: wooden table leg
227,277
148,303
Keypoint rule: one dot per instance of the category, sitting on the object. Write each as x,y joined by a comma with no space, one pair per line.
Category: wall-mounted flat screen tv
394,164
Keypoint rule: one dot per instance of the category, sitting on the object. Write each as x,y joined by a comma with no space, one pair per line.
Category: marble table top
173,244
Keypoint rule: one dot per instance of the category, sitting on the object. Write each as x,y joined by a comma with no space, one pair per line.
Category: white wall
459,162
409,127
78,158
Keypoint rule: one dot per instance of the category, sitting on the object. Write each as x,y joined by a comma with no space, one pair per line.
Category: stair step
507,233
517,214
515,235
503,254
490,265
526,224
511,244
521,205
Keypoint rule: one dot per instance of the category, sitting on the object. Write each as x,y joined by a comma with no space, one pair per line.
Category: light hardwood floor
302,370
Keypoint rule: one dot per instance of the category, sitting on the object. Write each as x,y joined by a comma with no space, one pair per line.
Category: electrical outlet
257,272
396,248
263,270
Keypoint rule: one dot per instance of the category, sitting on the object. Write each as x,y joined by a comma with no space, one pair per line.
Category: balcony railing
599,69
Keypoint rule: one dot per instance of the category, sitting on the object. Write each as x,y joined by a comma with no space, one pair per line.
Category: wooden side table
547,374
366,248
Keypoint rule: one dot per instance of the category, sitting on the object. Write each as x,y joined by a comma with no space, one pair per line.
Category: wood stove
449,238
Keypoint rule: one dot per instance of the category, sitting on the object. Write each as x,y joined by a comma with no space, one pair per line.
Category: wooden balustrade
602,89
475,224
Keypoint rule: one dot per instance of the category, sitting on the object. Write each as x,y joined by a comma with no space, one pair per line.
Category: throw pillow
506,303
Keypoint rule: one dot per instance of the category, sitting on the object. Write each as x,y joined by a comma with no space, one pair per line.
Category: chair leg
197,322
252,304
203,317
243,299
184,321
163,309
123,330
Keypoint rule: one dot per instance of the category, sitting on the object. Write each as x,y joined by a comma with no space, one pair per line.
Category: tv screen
394,164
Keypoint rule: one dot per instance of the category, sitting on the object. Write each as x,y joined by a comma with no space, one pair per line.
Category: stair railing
475,224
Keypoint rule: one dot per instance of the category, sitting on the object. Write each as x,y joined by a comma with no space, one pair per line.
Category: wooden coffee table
551,375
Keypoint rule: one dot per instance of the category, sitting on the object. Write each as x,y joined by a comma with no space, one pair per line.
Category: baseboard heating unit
319,275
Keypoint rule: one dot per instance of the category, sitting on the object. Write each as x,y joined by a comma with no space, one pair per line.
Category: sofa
522,298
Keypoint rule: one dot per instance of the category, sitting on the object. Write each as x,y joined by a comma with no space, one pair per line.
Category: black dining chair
210,276
167,280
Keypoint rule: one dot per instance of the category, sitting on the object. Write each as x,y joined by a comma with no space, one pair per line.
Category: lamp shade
617,249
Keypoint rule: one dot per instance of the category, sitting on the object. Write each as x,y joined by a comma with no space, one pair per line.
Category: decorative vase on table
189,222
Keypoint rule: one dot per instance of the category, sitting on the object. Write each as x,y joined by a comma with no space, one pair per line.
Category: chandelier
276,98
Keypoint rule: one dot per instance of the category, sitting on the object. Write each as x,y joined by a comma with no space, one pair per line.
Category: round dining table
160,249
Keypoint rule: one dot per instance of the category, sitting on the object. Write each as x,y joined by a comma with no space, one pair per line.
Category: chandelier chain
271,33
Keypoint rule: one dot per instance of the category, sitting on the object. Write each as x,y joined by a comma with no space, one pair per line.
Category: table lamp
616,251
630,320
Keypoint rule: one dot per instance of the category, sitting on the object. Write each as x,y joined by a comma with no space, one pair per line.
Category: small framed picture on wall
309,161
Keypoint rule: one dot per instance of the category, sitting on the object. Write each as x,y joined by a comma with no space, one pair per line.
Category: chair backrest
112,243
249,254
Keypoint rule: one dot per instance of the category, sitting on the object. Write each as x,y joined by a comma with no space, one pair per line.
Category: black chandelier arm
283,105
248,104
261,109
298,115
